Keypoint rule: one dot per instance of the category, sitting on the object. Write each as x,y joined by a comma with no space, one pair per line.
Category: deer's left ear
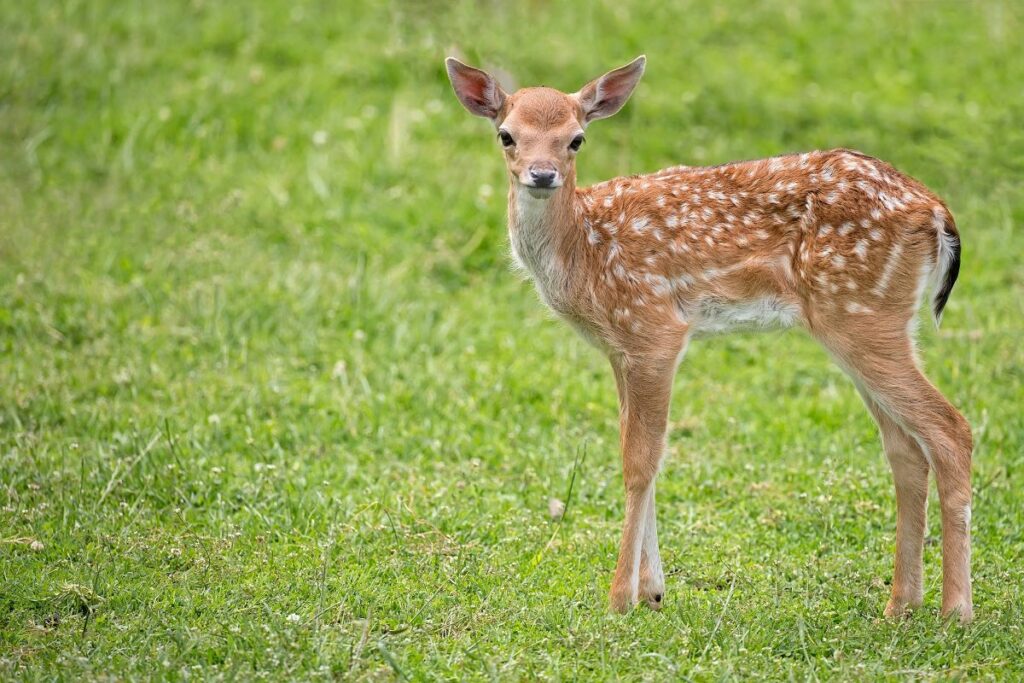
476,89
603,97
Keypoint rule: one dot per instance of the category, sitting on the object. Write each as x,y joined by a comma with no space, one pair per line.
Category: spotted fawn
836,242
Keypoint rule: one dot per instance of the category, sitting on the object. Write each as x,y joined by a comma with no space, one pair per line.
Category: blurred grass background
272,404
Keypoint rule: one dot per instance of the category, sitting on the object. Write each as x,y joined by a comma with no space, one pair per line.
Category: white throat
532,237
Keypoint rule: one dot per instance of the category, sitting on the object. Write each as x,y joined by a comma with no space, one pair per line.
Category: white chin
540,192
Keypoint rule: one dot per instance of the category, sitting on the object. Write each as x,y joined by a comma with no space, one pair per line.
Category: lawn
273,405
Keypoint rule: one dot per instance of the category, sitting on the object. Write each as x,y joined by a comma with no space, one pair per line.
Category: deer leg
652,577
885,366
645,388
910,476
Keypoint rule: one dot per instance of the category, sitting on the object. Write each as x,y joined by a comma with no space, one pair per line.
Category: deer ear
478,92
603,97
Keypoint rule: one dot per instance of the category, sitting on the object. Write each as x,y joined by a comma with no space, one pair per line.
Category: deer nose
543,177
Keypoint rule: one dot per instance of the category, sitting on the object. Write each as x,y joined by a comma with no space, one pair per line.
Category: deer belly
715,316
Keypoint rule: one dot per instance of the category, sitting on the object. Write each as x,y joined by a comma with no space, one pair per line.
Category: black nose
542,178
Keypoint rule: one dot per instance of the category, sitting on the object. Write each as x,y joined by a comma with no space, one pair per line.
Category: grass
273,406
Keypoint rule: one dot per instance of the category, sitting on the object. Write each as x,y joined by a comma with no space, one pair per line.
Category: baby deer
837,242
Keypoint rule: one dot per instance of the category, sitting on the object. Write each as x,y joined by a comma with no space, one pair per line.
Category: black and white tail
948,264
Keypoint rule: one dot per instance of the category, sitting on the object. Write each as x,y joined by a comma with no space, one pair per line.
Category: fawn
838,242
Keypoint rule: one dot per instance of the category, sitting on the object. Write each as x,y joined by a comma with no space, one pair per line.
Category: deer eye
506,139
577,142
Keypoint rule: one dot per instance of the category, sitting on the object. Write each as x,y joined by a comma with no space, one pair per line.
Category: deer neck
545,234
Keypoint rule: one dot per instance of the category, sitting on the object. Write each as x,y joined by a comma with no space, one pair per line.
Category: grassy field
273,406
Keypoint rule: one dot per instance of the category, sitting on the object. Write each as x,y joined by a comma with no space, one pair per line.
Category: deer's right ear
476,89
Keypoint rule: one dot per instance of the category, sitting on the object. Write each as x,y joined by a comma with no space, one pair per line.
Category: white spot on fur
846,228
614,250
867,188
890,267
861,249
660,284
854,307
682,281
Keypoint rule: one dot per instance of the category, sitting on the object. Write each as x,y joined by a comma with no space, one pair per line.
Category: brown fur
835,241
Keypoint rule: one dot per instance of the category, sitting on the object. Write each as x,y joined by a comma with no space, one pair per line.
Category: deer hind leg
910,476
645,389
882,362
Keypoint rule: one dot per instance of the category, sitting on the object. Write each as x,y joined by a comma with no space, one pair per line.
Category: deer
836,242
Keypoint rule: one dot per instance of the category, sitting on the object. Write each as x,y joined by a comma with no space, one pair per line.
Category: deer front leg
652,577
645,389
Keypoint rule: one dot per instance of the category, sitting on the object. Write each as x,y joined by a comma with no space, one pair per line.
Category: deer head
541,129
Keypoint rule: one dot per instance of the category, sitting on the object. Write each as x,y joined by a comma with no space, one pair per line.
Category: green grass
272,404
